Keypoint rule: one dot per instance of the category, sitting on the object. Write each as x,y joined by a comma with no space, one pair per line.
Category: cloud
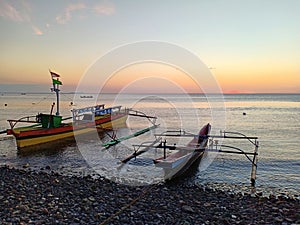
104,8
36,30
18,12
67,16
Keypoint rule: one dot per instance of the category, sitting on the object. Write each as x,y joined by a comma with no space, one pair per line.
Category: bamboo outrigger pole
118,140
254,165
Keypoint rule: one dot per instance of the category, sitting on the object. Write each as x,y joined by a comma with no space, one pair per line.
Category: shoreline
32,197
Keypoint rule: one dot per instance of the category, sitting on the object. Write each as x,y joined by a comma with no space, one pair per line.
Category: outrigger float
49,129
176,161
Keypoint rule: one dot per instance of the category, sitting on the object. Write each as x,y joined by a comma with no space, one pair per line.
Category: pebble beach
39,197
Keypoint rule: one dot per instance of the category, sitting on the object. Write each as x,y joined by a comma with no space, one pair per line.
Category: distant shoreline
22,93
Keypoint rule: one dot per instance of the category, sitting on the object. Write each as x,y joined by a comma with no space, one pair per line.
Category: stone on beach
28,197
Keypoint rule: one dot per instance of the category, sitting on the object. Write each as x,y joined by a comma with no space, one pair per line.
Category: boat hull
177,164
35,138
181,168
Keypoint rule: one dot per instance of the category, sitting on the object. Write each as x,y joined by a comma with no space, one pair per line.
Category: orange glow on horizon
151,77
259,79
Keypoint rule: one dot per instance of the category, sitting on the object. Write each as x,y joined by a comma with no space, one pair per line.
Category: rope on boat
35,104
113,136
144,192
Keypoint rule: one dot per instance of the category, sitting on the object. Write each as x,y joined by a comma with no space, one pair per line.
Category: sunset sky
251,46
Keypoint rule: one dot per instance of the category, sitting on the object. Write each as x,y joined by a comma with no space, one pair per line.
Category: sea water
273,118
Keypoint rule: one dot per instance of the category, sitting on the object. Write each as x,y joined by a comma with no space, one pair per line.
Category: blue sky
254,46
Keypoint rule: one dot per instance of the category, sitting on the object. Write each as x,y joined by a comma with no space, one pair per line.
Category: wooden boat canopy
88,113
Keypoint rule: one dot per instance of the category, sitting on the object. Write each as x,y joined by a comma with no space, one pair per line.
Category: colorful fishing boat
49,129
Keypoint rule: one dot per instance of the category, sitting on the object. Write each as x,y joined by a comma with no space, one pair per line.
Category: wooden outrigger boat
178,163
182,158
49,129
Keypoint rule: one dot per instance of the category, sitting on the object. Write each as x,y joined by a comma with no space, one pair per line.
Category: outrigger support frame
138,152
137,113
215,147
254,164
26,119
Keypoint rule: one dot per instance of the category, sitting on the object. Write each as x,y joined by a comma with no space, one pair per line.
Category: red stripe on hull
63,129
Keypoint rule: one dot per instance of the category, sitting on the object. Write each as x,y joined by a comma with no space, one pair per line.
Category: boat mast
55,88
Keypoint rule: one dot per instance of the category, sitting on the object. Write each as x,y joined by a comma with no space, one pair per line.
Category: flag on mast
56,82
54,76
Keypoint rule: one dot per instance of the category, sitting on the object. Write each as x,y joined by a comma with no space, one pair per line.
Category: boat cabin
48,120
88,114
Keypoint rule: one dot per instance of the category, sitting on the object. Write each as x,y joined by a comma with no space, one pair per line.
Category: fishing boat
48,129
177,161
181,159
86,96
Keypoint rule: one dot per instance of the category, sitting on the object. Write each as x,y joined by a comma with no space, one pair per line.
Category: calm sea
273,118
